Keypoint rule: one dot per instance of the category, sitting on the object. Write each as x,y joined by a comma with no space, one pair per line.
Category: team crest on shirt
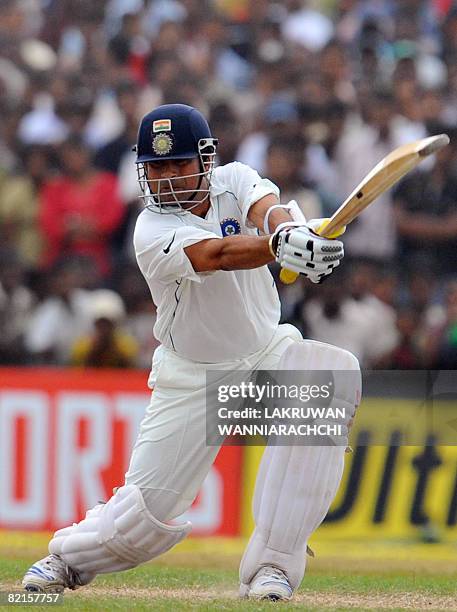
230,226
162,144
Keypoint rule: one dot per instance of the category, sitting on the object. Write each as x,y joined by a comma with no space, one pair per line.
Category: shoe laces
70,576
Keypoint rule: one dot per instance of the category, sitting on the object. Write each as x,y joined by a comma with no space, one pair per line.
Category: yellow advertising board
399,479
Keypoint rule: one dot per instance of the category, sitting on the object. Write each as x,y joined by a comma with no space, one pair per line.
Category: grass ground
202,575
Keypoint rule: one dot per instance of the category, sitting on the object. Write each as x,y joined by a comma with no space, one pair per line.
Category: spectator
42,125
118,157
16,304
421,289
284,167
80,209
76,111
408,354
107,346
60,318
19,204
381,300
108,158
333,315
376,138
441,340
326,125
225,127
280,119
376,295
350,314
426,213
336,72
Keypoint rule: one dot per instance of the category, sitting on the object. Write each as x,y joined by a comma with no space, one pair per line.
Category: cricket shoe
269,583
51,574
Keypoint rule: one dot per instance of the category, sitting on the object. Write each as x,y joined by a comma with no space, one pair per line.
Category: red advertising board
65,440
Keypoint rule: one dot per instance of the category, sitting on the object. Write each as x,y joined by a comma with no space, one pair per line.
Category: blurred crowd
311,94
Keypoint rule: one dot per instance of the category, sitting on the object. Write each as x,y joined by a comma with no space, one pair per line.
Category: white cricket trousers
170,458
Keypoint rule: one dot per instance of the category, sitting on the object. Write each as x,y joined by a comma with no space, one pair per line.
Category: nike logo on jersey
167,248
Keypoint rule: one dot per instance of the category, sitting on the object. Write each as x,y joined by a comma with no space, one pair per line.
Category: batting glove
301,250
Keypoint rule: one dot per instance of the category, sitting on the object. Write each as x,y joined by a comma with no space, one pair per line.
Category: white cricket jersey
215,316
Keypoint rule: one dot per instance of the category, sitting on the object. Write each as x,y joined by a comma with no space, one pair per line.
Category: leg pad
115,536
297,484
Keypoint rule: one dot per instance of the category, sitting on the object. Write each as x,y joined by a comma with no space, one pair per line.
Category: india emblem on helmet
162,144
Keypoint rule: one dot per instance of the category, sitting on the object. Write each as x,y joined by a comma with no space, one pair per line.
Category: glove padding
301,250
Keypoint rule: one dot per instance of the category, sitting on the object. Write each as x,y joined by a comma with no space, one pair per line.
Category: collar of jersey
201,220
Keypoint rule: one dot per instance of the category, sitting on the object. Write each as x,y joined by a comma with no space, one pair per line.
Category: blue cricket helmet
171,131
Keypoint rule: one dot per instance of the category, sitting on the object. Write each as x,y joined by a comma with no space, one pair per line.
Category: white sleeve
163,258
247,186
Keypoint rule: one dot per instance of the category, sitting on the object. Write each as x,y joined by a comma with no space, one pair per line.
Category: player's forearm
230,253
244,252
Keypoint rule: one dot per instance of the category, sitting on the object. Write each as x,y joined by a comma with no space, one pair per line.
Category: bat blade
381,178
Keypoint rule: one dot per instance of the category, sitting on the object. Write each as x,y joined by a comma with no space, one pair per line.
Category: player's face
173,179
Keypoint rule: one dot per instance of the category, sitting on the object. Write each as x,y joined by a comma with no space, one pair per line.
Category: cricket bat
381,178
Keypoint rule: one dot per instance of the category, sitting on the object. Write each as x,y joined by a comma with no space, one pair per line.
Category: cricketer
203,242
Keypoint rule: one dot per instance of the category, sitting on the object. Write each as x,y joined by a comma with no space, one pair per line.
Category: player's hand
301,250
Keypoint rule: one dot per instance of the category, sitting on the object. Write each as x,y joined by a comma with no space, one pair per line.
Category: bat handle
287,276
